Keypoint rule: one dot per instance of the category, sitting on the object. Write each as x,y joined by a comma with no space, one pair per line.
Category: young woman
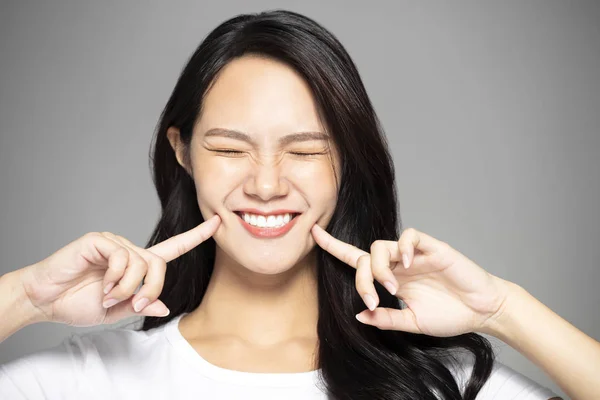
279,224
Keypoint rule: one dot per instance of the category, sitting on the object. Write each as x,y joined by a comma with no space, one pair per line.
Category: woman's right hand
68,286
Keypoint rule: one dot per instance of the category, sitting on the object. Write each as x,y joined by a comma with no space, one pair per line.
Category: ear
174,137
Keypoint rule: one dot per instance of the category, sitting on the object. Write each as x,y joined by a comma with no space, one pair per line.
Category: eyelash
240,152
227,151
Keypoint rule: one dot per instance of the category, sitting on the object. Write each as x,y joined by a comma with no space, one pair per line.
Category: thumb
390,319
124,309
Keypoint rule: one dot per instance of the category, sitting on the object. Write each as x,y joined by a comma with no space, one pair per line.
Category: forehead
261,96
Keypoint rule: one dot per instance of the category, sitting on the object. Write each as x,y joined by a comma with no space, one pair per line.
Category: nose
266,183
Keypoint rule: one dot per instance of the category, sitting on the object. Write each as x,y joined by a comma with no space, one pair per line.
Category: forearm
16,310
566,354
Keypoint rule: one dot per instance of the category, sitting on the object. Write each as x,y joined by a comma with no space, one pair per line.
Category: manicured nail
165,311
405,260
108,287
110,303
370,302
390,287
360,317
141,303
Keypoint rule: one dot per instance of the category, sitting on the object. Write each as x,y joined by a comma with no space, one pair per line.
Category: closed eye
305,154
234,152
227,151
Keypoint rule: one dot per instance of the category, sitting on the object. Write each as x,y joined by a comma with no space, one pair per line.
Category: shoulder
62,370
503,383
114,345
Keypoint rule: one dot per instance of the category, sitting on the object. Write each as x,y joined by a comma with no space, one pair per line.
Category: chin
262,266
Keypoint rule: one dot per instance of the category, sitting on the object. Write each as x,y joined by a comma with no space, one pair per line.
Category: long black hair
357,361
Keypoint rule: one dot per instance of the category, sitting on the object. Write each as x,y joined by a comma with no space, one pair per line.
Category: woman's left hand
446,293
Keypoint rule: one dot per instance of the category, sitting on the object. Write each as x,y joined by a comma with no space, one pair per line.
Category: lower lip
268,232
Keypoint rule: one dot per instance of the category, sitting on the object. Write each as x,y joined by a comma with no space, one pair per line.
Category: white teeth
271,221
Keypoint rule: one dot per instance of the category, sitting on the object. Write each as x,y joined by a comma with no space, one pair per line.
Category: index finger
342,251
178,245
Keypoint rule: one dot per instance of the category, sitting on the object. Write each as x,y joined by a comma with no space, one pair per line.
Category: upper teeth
270,221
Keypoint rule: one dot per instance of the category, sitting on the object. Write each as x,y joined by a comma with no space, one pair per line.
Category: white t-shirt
122,363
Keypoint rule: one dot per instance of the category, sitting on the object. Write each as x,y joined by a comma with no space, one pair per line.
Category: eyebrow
294,137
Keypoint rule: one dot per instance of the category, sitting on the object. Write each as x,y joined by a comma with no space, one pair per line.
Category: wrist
16,310
499,323
28,312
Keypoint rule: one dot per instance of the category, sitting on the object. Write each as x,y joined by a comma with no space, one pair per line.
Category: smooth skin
269,284
68,286
447,294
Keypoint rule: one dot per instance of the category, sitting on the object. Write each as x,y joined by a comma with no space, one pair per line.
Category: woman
279,224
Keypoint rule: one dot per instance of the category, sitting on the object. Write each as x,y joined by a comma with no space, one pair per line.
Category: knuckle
92,236
127,287
140,264
151,292
377,245
363,261
362,258
159,264
118,291
131,280
181,249
119,260
124,240
156,270
405,245
410,231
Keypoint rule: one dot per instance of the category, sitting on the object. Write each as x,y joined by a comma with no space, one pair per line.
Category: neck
257,308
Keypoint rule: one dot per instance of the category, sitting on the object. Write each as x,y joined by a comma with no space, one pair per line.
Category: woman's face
259,148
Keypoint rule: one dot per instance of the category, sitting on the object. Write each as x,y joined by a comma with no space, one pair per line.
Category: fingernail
370,302
163,311
141,303
405,260
360,317
110,303
108,287
390,287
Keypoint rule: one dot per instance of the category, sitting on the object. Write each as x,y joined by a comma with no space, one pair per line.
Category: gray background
492,111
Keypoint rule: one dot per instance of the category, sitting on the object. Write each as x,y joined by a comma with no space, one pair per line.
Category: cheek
217,174
317,180
214,179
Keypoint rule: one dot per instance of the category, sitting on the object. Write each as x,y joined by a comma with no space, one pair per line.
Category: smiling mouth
255,221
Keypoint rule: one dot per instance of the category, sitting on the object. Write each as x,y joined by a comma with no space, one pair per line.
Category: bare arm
566,354
16,310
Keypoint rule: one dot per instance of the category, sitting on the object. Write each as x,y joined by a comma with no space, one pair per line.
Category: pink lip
267,232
